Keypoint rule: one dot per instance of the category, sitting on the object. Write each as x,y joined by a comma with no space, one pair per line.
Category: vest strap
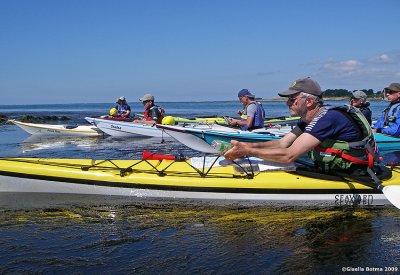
369,162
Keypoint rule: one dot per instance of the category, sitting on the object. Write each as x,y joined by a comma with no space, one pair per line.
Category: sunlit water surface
175,237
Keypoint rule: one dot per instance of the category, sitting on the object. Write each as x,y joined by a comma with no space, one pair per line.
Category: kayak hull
125,129
58,130
339,198
387,143
178,180
199,137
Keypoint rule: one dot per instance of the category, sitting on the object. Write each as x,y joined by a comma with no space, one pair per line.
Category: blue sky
67,51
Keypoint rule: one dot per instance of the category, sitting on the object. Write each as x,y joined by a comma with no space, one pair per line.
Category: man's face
146,103
296,104
243,99
392,96
356,102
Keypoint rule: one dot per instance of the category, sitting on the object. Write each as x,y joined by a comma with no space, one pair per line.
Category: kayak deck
173,173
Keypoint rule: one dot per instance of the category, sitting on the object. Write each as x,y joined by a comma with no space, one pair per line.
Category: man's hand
233,122
238,150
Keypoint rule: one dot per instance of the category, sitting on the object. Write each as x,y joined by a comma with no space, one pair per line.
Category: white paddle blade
392,193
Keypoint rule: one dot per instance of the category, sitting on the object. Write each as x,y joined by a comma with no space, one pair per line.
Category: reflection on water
97,147
14,142
175,239
39,142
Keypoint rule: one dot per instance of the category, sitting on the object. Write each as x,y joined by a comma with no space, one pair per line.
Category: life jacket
122,109
155,113
390,113
341,155
258,121
366,111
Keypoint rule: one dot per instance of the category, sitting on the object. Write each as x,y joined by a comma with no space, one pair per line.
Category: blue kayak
387,143
200,137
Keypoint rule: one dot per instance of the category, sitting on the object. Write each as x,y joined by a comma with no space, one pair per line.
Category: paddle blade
392,193
150,156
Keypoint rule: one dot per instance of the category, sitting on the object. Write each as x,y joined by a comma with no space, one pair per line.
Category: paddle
391,192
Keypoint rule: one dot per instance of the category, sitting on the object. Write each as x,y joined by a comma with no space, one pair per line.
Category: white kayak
199,137
117,128
58,130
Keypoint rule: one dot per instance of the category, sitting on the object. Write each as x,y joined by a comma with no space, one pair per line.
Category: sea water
175,237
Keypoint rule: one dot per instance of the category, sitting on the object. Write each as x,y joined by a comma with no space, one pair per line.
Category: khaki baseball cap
359,95
305,85
147,97
122,98
395,87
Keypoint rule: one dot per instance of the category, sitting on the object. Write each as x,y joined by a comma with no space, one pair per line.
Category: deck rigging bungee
246,168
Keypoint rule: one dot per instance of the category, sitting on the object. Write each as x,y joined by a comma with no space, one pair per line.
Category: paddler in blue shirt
336,138
253,114
124,110
389,122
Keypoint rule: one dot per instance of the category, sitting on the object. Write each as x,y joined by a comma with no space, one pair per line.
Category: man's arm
285,150
393,129
248,122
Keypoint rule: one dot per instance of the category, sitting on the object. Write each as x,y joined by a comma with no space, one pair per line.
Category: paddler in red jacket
152,114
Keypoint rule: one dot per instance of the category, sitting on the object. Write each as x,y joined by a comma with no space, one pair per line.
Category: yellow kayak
222,120
203,178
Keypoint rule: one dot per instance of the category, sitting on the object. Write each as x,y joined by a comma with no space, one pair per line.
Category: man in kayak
359,100
389,122
152,114
335,137
253,114
124,110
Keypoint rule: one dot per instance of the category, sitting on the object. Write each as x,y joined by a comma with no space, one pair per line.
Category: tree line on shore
345,93
338,94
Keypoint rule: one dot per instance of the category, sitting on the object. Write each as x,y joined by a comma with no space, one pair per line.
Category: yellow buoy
168,120
113,111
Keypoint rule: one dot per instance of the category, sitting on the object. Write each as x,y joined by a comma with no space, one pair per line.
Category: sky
93,51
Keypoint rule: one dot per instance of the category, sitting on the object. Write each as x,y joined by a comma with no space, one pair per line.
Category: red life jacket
149,114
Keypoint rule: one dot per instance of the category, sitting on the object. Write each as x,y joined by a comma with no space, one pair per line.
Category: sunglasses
387,91
292,99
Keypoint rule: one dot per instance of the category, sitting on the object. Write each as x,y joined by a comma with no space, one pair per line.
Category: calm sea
176,238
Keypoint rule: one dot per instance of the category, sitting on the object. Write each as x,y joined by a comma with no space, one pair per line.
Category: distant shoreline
325,98
277,99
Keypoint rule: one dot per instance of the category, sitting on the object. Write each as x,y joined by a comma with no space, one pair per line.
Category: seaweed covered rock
3,118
